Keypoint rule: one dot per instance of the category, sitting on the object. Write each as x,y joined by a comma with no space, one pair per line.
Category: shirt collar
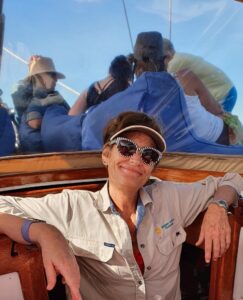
103,198
103,201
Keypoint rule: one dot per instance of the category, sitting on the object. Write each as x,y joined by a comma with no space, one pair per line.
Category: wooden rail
27,262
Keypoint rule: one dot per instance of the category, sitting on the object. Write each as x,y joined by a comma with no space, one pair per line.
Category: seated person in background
118,79
214,79
127,237
207,116
33,96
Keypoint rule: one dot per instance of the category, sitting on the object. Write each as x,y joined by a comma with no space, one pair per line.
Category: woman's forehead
140,138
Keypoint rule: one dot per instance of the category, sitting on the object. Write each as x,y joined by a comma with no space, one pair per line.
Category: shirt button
148,268
140,282
142,246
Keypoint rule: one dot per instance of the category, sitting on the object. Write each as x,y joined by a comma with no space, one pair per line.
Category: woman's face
128,172
49,80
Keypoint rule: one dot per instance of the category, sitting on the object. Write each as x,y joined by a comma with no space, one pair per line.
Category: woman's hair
121,72
126,119
168,46
120,68
145,65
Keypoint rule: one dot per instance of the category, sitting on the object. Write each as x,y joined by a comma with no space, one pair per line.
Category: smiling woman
126,236
124,240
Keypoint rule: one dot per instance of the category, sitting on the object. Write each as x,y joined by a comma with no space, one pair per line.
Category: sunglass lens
150,156
53,75
126,148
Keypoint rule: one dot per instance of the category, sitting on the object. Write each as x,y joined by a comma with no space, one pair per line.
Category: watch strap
221,203
26,227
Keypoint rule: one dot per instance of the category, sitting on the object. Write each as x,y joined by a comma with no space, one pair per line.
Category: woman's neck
124,199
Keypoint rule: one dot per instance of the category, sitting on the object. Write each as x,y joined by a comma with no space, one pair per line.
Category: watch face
223,204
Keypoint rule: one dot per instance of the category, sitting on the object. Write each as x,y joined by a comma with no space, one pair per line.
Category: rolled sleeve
234,180
204,192
186,200
54,209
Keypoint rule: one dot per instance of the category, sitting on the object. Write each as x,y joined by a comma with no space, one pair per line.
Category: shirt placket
125,244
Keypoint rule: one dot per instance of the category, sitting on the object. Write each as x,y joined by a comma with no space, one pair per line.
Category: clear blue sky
83,36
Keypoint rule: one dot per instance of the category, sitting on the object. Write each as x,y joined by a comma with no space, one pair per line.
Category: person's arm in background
80,104
34,114
37,107
36,123
56,254
192,85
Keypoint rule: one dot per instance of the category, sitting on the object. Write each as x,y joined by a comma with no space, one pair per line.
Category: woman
126,237
118,79
208,120
215,80
32,98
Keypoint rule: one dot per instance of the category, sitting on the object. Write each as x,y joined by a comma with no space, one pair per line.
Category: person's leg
229,101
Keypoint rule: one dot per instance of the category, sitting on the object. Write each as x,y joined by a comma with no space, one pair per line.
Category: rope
127,21
26,62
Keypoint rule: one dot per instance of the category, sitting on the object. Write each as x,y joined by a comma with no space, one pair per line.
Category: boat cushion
59,131
159,95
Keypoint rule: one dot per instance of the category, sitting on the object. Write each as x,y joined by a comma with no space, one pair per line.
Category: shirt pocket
92,249
174,239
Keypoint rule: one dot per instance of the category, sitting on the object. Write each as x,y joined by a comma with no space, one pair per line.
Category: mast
1,29
170,19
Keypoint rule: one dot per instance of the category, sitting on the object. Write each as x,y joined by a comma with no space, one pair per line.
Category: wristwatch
221,203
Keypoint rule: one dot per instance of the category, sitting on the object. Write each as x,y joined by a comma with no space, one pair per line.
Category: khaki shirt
101,240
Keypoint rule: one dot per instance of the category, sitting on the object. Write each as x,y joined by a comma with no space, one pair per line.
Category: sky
83,36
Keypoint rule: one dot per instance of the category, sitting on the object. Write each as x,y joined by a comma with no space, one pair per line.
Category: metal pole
170,19
128,26
1,30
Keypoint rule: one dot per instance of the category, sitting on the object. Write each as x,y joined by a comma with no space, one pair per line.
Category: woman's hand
215,232
58,259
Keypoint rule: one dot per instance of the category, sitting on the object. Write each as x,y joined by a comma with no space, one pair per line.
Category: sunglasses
53,75
127,148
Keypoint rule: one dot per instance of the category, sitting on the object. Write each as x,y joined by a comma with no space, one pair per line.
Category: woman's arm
192,85
35,123
215,230
57,256
80,104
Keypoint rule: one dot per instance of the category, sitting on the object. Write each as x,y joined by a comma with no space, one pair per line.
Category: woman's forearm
11,226
38,232
80,105
192,85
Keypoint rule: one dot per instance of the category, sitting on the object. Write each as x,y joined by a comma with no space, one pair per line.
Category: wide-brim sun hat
149,45
42,64
156,137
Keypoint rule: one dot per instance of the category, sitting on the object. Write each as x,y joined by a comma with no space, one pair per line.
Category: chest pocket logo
170,242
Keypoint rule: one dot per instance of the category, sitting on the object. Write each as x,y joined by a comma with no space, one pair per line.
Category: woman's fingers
215,232
50,275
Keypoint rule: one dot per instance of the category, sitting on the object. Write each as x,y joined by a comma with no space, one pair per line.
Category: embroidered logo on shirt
158,230
168,224
109,245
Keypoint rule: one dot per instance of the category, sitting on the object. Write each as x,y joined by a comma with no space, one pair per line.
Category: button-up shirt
101,239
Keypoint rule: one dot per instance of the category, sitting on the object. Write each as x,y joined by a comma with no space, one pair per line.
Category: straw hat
41,64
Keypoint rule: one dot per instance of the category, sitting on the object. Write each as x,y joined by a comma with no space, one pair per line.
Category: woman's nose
136,158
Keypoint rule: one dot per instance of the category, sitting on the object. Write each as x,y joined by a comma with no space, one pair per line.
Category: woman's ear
105,155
